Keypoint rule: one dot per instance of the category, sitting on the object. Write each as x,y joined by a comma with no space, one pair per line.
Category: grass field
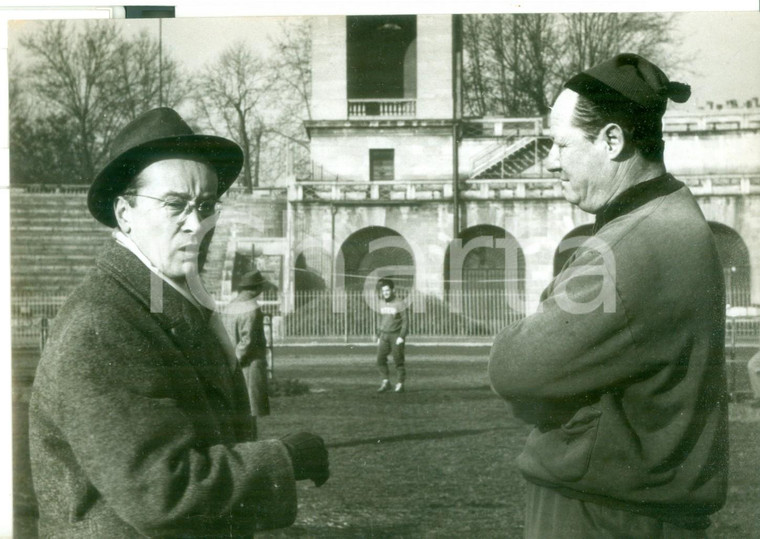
434,461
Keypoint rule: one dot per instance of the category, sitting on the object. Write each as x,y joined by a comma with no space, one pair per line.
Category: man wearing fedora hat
140,423
621,369
244,322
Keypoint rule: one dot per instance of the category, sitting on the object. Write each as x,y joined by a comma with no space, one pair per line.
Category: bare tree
538,52
230,90
290,69
474,83
291,65
39,145
515,64
85,80
146,77
73,74
591,38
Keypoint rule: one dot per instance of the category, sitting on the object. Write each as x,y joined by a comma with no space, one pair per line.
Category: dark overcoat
244,322
138,425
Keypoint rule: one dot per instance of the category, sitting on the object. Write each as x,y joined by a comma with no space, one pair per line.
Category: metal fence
352,316
30,315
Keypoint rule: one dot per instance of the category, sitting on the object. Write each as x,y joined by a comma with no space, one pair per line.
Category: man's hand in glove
309,456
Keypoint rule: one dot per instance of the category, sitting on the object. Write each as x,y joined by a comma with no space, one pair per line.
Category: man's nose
552,160
193,220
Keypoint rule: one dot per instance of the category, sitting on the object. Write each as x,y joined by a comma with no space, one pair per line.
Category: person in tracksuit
392,328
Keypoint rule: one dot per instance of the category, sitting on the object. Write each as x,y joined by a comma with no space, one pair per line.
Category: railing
351,315
29,317
389,108
672,122
236,191
346,315
743,331
54,188
502,127
502,150
375,190
721,184
711,121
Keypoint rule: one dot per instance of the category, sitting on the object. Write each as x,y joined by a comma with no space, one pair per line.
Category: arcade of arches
486,257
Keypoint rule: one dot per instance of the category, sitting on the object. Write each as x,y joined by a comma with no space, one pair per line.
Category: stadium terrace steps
55,240
242,216
54,246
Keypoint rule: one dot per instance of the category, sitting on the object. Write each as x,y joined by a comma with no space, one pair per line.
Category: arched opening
484,276
566,248
375,252
734,257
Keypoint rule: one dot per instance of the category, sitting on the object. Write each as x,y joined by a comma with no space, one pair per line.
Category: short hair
641,127
386,282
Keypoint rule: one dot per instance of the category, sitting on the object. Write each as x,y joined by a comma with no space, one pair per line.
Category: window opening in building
381,56
381,165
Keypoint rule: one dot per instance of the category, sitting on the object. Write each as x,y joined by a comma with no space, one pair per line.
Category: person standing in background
244,322
392,329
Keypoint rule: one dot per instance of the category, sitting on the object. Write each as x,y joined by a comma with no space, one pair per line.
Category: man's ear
123,212
613,138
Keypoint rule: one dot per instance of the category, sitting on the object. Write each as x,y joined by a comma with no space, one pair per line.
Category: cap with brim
156,135
629,80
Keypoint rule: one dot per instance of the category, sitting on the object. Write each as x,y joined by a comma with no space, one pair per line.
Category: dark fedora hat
252,281
155,135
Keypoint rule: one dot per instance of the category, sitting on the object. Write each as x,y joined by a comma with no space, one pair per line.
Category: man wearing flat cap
140,423
621,369
244,322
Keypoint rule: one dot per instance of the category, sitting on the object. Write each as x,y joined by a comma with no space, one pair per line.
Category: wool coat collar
186,324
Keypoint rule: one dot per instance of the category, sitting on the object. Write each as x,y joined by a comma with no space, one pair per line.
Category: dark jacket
629,398
244,322
393,317
138,426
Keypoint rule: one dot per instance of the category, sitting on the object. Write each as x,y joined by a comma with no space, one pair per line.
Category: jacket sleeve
577,344
118,406
404,315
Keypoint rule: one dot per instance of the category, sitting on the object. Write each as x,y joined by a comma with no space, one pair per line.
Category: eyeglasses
179,208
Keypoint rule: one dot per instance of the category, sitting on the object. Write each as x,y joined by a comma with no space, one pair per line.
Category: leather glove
309,456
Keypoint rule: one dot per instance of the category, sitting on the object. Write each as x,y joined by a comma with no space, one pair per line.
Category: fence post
345,316
43,332
269,338
732,358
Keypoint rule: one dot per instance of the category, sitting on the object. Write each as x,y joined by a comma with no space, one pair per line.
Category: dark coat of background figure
244,323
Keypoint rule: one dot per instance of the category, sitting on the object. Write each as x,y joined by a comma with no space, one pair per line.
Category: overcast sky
723,47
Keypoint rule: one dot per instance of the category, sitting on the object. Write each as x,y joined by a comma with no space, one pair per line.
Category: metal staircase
510,158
